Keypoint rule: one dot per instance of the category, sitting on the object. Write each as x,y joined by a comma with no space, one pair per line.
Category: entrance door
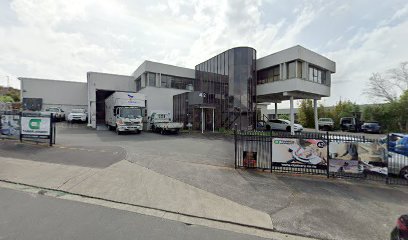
201,115
208,119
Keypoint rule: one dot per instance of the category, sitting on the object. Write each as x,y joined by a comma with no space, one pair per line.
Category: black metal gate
329,154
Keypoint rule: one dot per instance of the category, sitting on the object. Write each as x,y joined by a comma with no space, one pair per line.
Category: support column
292,117
202,120
213,120
276,110
316,121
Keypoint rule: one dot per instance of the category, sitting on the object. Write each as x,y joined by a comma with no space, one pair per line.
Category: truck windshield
130,112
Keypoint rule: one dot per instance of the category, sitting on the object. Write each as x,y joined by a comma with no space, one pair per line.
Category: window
151,79
292,69
269,75
138,84
168,81
317,75
299,69
165,81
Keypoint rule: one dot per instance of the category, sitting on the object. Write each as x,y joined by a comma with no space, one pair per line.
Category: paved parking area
314,206
366,135
89,156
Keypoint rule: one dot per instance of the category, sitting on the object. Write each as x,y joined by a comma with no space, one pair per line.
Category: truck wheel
117,130
162,132
268,127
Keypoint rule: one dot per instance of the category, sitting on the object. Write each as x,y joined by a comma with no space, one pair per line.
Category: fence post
51,133
21,127
270,133
328,154
235,145
388,160
54,130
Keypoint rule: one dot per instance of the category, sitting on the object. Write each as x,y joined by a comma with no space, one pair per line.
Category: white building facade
294,73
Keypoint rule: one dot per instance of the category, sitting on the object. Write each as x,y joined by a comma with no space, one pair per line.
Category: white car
57,113
282,125
77,115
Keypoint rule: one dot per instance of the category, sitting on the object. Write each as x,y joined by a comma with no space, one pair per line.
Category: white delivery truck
160,121
124,112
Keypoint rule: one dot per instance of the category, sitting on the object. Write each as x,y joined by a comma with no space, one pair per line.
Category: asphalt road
34,216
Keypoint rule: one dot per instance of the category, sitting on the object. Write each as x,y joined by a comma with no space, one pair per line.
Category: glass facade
227,83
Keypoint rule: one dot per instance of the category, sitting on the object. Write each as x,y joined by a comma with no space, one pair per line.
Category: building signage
35,126
305,153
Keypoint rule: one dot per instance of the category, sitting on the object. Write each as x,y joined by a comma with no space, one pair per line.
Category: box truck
124,112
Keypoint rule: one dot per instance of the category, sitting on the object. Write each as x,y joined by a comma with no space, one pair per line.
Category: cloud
380,49
64,39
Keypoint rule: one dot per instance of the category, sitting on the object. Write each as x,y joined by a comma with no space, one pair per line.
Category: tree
306,113
12,92
6,98
392,116
387,87
402,111
342,109
399,76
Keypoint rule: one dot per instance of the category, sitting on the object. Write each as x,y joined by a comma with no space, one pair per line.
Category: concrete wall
295,53
55,93
293,85
160,99
155,67
105,81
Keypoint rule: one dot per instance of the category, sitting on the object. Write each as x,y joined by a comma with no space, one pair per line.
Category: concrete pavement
130,183
33,216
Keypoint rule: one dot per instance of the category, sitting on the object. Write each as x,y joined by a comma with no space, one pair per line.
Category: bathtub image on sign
370,156
307,153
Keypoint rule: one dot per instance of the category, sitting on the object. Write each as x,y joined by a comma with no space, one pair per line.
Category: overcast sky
61,39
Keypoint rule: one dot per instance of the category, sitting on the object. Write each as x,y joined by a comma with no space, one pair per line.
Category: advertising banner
353,157
35,126
10,125
306,153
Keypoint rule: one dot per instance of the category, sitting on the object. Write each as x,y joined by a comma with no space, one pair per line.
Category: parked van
351,124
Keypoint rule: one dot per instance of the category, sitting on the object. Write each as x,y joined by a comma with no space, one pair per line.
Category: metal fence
329,154
11,126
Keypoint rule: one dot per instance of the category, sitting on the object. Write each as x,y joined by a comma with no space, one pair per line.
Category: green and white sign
35,125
